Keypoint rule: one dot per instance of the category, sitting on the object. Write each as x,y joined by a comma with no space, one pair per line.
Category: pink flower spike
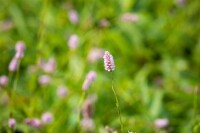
73,17
12,123
3,80
161,123
108,62
20,47
73,41
33,122
88,80
44,79
47,118
13,65
62,91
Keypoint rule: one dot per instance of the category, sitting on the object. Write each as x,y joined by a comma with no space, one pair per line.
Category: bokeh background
155,45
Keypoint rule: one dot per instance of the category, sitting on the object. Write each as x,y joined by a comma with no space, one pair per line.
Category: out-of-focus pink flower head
20,48
87,109
180,3
47,118
62,91
88,80
95,54
73,41
11,123
161,123
13,65
49,66
3,80
87,124
73,16
129,17
104,23
109,64
44,79
33,122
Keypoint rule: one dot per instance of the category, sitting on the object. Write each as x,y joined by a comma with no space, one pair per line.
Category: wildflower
3,80
44,79
161,123
62,91
87,124
108,62
47,118
95,54
20,47
49,66
88,80
129,17
87,109
73,41
33,122
12,123
73,17
104,23
13,65
109,130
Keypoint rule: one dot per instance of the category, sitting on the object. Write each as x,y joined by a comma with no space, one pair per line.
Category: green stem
79,109
117,104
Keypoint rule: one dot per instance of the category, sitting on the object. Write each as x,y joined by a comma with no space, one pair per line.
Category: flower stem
117,104
79,109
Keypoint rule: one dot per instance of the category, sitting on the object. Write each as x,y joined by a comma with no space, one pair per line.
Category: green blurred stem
117,104
79,108
195,108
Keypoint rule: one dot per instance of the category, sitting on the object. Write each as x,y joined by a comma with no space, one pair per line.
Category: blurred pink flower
87,124
73,16
104,23
49,66
19,47
129,17
33,122
62,91
88,80
95,54
161,123
3,80
13,65
44,79
87,109
73,41
47,118
108,62
11,122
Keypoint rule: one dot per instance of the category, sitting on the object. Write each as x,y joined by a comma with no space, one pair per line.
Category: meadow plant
33,122
3,80
95,54
49,66
73,41
62,91
11,123
109,66
161,123
44,79
47,118
73,17
88,80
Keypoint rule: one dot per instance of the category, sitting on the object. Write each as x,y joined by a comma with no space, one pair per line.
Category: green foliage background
162,46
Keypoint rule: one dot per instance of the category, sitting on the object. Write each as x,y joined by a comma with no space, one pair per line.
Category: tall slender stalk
79,109
195,104
117,104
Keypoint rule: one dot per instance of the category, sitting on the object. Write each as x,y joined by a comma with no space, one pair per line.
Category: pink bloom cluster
88,80
108,62
19,48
